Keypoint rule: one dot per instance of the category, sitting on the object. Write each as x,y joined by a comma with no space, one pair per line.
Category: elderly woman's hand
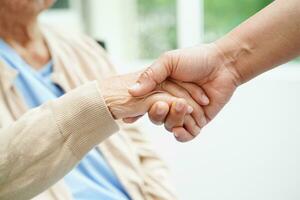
171,103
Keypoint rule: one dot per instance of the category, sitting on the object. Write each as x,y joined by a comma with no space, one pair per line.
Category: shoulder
70,37
78,46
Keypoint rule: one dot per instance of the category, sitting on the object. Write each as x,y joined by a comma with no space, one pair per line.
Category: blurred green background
60,4
157,27
157,21
220,16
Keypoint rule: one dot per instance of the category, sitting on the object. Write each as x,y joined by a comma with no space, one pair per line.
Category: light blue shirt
92,178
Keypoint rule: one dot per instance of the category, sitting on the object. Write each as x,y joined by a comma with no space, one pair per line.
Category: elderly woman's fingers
180,92
130,120
158,112
178,110
195,91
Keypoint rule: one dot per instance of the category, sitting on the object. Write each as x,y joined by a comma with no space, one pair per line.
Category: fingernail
178,106
205,99
136,86
202,122
190,109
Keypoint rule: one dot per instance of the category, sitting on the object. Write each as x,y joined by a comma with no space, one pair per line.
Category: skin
176,104
123,105
266,40
19,28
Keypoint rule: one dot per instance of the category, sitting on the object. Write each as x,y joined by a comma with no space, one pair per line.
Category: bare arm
266,40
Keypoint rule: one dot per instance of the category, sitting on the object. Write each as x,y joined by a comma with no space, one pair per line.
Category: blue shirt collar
8,73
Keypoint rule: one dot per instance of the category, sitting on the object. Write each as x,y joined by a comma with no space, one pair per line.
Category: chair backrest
102,44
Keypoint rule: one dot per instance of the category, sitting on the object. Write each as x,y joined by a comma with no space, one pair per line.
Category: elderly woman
53,151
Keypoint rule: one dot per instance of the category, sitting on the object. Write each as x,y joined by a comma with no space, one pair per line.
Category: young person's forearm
266,40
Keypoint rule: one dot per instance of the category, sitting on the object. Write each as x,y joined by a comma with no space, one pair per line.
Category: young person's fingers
191,126
195,91
182,135
178,91
130,120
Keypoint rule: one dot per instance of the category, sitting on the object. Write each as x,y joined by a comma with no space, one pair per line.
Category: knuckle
181,100
166,55
148,73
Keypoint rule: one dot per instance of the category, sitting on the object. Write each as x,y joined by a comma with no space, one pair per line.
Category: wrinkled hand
169,103
203,65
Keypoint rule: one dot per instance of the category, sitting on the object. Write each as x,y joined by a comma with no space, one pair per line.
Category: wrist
114,102
117,99
233,55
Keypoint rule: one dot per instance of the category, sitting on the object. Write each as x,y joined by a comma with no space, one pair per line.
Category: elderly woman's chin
26,6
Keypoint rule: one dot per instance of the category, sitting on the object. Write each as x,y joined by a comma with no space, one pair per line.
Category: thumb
149,79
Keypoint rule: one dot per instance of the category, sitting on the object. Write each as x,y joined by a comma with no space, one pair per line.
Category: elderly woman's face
28,7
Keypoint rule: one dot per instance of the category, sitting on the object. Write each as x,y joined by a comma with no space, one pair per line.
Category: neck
23,34
18,30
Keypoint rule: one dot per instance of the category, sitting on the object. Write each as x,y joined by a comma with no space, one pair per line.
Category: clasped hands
184,89
175,104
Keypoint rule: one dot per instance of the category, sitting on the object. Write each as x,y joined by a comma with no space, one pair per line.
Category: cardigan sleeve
47,142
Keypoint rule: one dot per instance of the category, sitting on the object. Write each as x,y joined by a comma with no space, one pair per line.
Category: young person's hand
203,65
264,41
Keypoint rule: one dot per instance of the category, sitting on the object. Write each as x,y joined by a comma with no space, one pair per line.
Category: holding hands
213,71
176,104
266,40
205,67
184,89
